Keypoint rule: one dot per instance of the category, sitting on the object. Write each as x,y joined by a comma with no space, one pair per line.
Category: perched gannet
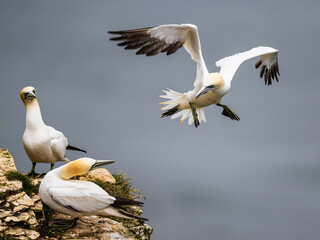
81,198
42,143
209,88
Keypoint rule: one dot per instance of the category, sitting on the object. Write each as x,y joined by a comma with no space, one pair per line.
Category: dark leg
228,112
32,173
195,115
52,164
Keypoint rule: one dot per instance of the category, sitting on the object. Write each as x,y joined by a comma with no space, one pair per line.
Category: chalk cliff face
22,215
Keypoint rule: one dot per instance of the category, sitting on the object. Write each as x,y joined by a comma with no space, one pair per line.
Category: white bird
81,198
209,88
42,143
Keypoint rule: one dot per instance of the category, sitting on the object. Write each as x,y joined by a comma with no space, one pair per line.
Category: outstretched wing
268,61
84,197
164,38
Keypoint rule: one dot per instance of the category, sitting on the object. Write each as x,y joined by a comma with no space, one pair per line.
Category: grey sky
254,179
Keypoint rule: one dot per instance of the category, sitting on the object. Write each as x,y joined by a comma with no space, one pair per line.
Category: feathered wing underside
268,61
165,38
82,198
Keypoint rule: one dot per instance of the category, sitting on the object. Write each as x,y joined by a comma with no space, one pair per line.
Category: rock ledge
21,216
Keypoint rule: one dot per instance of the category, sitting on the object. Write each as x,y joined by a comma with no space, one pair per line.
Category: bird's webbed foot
195,115
228,112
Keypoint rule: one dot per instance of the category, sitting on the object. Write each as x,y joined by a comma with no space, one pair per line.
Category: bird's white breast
37,145
49,181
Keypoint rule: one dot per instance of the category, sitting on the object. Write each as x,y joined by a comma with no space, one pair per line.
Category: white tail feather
186,114
64,160
184,111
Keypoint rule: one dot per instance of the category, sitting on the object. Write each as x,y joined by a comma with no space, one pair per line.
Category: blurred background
254,179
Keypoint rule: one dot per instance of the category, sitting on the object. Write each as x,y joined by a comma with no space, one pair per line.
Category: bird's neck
33,115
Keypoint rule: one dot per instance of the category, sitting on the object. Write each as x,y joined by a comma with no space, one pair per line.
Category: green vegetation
122,187
27,185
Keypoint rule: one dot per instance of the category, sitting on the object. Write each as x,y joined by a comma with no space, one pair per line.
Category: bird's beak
29,95
204,90
100,163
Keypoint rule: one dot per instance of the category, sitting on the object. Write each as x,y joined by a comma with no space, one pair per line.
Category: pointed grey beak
100,163
29,95
204,90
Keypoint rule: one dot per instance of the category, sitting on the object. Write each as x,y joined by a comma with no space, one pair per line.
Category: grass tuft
122,187
27,185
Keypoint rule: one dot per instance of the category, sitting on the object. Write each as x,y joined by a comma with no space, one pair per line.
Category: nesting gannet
42,143
209,88
81,198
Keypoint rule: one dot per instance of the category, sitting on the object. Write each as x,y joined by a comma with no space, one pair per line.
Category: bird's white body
169,38
81,198
43,144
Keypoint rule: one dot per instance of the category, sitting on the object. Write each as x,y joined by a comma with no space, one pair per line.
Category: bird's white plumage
81,195
80,198
58,143
42,143
73,197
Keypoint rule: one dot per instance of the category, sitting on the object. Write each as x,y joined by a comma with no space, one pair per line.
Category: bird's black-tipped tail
117,211
69,147
124,201
170,112
178,106
129,215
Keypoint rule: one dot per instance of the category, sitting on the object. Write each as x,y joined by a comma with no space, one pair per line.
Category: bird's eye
34,91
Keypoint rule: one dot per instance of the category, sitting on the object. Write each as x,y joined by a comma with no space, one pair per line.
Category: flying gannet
42,143
81,198
209,88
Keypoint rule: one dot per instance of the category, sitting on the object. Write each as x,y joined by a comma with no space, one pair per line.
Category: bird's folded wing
268,61
164,38
58,143
81,199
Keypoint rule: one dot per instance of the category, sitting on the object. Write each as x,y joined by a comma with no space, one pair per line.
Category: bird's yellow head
81,166
28,94
214,79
